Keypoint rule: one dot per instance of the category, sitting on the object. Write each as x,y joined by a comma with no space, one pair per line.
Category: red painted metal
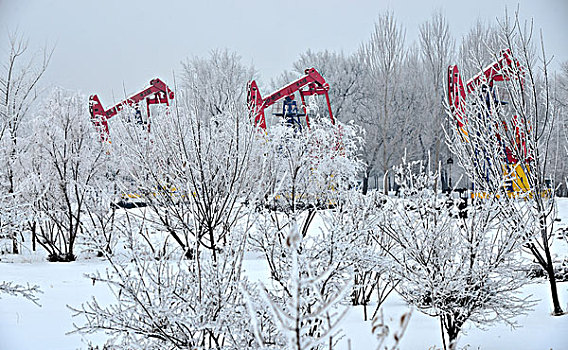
316,85
504,68
500,70
157,93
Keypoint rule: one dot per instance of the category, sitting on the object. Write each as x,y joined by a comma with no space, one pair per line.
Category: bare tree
476,45
343,73
19,90
66,161
217,83
382,56
437,49
560,139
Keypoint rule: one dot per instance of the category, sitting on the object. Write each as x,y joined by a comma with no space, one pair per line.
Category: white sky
105,45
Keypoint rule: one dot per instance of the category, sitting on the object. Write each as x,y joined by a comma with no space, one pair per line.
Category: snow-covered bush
66,161
312,167
459,268
372,275
313,257
177,276
164,299
177,279
313,254
307,289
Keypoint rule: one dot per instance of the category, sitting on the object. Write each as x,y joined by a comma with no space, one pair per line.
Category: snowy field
25,326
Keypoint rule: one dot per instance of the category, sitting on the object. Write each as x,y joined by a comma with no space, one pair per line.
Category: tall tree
476,45
383,55
215,84
19,78
560,139
437,49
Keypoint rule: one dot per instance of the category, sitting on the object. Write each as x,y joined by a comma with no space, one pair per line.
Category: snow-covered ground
538,329
23,325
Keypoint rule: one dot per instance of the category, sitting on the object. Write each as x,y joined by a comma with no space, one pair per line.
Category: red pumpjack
157,93
316,85
500,70
504,68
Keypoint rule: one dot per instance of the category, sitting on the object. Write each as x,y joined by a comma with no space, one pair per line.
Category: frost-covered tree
102,216
373,280
313,254
186,245
19,76
198,174
66,161
383,113
458,265
343,73
436,48
194,173
165,299
560,137
476,47
217,83
310,168
305,301
505,143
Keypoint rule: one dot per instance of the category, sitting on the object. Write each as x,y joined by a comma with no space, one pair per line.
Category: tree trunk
15,249
552,281
553,290
453,341
365,184
550,269
386,183
451,330
33,228
437,163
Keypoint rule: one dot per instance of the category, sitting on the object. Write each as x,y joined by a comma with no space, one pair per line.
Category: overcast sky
105,45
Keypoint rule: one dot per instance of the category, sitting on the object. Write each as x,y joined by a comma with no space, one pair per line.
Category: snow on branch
17,290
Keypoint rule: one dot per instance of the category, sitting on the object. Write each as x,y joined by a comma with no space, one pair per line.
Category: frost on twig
305,313
505,146
17,290
460,265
